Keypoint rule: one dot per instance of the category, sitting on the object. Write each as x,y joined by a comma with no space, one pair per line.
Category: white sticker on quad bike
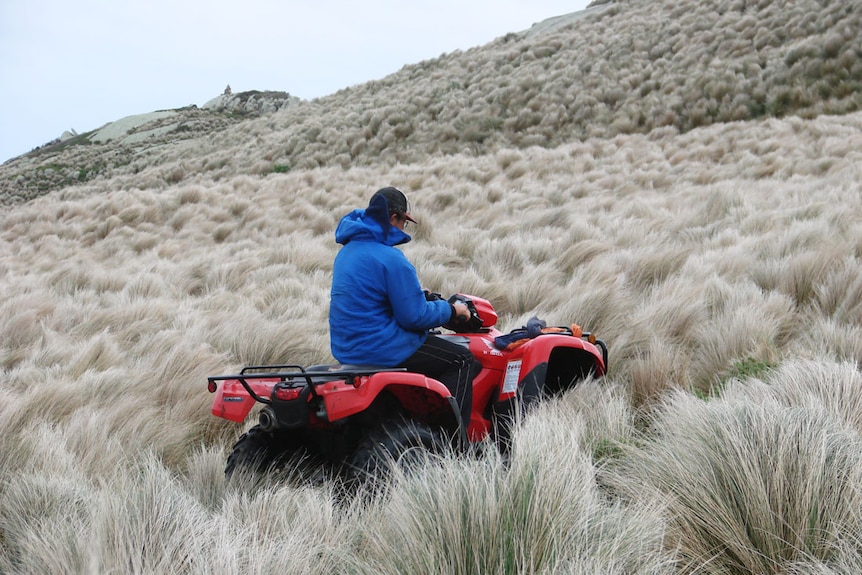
513,371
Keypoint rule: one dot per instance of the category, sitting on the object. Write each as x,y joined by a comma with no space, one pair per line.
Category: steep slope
628,67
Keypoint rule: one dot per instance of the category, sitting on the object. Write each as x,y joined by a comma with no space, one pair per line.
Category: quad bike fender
343,400
233,402
527,366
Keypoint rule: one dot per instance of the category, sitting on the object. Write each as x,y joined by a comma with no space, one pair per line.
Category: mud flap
462,441
506,413
532,386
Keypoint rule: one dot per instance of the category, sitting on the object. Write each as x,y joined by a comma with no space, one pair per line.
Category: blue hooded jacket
378,314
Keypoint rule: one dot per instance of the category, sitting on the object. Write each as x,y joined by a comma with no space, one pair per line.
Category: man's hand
462,312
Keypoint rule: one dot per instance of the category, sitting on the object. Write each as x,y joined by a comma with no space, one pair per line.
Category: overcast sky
79,64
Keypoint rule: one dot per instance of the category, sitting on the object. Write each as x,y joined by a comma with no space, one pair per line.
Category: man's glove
460,324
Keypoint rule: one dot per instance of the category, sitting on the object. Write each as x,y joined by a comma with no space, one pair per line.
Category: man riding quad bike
353,421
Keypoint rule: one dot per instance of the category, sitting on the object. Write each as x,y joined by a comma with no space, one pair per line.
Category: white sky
79,64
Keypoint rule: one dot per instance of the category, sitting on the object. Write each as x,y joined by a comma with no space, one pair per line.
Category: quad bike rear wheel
397,446
257,452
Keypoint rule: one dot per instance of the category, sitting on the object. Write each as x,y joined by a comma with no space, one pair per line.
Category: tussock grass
542,512
835,388
688,194
749,488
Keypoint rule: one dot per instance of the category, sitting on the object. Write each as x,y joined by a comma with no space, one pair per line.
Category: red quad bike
353,421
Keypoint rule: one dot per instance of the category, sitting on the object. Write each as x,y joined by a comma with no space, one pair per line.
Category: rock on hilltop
253,102
75,158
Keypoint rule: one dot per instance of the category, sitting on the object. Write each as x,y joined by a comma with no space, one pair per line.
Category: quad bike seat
333,371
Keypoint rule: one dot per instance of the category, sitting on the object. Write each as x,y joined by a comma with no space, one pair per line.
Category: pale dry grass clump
541,512
749,487
833,387
143,518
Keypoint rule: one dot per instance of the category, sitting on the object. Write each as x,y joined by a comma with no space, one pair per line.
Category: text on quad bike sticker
510,382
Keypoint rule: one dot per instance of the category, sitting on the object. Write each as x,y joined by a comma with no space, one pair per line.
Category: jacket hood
370,224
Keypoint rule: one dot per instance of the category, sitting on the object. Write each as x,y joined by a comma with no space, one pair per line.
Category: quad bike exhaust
267,419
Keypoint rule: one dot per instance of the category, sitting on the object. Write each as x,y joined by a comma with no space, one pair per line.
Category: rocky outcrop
105,152
251,103
78,158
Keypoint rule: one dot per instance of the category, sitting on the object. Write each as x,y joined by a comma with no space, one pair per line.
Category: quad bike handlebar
461,325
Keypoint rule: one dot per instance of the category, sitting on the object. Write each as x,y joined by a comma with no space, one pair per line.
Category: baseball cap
397,201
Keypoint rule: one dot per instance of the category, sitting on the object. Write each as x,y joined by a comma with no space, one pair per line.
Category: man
379,313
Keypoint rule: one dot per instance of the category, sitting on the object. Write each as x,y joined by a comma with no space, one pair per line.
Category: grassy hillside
681,178
623,68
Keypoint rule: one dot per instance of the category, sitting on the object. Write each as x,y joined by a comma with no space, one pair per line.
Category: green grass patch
606,449
747,368
750,367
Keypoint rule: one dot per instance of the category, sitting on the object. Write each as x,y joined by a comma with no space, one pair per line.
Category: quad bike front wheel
399,447
258,452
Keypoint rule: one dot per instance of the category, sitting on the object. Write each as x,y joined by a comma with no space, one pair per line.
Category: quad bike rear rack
314,375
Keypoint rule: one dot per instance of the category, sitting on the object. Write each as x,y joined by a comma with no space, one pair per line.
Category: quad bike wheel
397,446
257,452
